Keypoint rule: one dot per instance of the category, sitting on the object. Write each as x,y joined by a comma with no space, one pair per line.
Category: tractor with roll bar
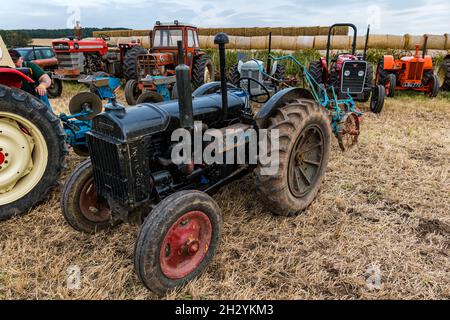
348,73
132,174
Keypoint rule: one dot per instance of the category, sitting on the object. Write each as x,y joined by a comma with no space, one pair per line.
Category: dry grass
384,203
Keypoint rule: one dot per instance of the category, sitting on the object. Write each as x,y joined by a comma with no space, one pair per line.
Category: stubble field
379,228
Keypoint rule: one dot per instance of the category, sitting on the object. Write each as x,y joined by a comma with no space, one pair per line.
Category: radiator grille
415,70
353,76
109,175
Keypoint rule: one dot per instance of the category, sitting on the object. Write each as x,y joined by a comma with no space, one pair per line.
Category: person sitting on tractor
41,79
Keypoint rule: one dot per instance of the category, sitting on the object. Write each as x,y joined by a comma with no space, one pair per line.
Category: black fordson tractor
131,175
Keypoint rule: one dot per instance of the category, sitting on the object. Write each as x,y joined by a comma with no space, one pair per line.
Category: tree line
23,37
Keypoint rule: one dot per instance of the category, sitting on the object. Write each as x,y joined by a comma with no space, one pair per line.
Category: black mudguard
277,101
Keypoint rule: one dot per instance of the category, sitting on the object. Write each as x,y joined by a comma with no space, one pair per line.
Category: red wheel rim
2,158
388,87
92,205
185,245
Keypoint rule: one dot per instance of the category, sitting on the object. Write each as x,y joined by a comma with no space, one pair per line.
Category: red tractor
77,56
410,72
347,74
156,69
32,147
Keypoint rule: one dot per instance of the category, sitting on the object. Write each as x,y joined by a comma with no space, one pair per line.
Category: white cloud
393,17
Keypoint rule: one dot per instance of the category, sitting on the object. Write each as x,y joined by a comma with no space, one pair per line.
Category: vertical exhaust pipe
184,91
366,44
221,39
424,51
269,61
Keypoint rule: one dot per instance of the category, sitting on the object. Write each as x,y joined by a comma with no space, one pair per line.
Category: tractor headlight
361,73
347,73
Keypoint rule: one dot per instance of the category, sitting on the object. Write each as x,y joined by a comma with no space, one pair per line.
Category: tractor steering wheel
254,97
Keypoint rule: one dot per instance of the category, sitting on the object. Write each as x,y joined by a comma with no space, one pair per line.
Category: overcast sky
385,16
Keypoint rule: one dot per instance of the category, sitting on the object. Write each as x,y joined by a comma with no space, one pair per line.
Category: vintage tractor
272,78
410,72
348,73
156,70
77,57
32,148
444,74
132,173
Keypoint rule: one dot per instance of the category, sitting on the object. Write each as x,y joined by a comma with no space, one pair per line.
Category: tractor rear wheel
234,74
32,151
202,71
304,149
83,208
316,72
177,240
132,92
377,99
150,97
390,84
431,81
130,62
444,75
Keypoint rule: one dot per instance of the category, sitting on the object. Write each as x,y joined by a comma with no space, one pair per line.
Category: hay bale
447,41
304,42
259,43
411,41
340,42
436,42
288,43
243,43
320,42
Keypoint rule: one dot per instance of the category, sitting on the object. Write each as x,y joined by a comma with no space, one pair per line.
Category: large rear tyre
177,240
84,209
444,75
234,75
316,72
132,92
32,151
130,62
202,71
304,150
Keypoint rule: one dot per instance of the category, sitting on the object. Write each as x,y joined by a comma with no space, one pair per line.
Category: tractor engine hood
151,118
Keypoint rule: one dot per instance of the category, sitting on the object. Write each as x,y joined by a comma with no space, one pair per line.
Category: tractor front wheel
377,99
55,90
83,208
390,84
304,149
202,71
132,92
177,240
431,81
32,151
150,97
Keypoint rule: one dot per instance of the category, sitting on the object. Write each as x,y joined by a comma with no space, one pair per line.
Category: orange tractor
410,72
156,70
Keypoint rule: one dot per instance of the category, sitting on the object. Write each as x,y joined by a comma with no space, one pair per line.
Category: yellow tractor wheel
32,151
